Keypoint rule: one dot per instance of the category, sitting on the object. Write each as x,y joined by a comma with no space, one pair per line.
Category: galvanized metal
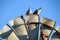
5,32
21,31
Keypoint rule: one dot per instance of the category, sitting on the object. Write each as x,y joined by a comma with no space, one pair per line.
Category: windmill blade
12,37
28,13
18,21
32,28
27,16
21,31
46,29
56,35
33,18
5,32
48,22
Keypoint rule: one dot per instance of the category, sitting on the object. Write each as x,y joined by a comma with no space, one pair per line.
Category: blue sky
10,9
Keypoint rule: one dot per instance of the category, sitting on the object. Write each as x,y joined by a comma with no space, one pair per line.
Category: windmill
29,27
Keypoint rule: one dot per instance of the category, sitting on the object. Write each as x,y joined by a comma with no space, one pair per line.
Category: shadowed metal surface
5,32
45,30
56,35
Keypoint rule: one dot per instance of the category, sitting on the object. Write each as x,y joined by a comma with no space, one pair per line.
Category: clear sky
10,9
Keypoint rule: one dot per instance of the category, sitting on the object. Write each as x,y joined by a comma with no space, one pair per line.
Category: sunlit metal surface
12,37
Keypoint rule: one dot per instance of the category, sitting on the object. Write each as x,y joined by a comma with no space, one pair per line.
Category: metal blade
12,37
21,31
46,29
5,32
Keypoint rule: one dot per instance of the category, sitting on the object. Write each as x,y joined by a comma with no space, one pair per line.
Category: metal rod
51,31
39,29
36,23
13,29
